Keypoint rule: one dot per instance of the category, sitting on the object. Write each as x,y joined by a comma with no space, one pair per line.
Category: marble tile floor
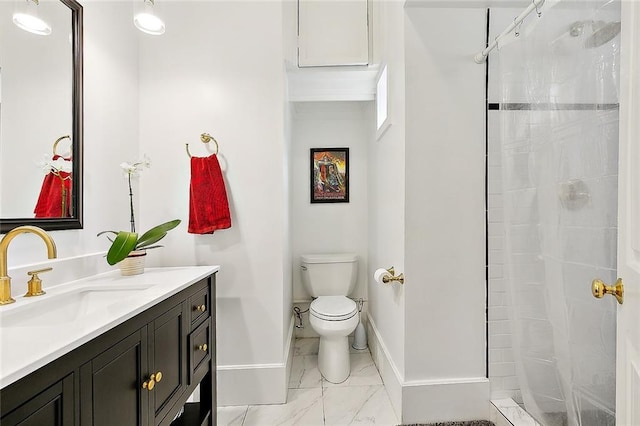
360,400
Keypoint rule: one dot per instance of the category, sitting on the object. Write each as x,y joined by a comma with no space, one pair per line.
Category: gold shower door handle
599,289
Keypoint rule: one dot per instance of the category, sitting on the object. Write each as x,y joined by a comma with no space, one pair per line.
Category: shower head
594,33
603,32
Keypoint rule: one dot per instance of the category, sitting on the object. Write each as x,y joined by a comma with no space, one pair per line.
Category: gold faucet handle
39,271
34,286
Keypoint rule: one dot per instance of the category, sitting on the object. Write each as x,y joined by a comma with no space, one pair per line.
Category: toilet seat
333,308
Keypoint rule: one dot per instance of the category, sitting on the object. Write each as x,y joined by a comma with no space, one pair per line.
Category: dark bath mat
468,423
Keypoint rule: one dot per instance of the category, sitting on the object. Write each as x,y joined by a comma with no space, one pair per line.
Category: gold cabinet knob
200,308
153,379
203,348
149,384
599,289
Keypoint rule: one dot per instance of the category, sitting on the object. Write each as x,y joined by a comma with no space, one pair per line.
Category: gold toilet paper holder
393,277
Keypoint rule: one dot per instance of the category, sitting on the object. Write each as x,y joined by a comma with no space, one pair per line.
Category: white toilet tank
329,274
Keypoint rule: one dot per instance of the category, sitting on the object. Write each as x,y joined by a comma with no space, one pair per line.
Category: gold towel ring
55,144
204,138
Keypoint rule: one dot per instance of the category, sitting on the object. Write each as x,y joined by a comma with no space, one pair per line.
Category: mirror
41,123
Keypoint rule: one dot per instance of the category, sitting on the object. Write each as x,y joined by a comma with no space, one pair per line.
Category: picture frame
329,175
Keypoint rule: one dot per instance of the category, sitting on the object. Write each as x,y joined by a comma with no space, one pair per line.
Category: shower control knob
599,289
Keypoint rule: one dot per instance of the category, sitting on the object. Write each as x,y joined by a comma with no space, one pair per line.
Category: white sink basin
57,309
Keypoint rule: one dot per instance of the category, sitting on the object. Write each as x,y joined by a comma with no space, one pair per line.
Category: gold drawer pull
200,308
203,348
151,383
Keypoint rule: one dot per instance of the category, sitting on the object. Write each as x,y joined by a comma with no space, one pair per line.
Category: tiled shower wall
502,373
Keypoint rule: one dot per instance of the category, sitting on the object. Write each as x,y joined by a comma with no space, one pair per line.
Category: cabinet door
167,356
333,33
111,385
52,407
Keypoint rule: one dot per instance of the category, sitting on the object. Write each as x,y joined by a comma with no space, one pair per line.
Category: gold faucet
5,280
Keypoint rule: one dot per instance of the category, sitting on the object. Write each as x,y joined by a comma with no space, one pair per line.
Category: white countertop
108,299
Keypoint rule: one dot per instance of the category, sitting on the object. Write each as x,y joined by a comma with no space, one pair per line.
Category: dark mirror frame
75,222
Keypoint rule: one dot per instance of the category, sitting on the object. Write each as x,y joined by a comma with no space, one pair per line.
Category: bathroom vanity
112,350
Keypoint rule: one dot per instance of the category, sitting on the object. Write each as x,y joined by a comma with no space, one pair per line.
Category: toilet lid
333,308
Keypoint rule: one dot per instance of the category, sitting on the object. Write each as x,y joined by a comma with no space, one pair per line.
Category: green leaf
155,234
124,243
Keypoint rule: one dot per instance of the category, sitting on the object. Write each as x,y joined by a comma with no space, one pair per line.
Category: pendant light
26,18
148,21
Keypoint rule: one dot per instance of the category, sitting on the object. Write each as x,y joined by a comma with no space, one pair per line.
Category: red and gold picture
329,175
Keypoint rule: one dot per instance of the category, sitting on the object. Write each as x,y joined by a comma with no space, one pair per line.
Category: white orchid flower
135,168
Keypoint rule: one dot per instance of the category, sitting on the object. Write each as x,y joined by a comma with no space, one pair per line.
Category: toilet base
333,358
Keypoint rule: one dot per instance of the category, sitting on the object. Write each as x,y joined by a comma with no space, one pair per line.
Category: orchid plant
127,241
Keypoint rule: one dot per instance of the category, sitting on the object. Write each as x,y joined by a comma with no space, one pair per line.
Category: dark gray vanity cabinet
139,373
108,392
168,355
153,358
51,407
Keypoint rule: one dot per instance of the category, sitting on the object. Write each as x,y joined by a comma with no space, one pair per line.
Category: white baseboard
428,401
388,371
445,400
256,384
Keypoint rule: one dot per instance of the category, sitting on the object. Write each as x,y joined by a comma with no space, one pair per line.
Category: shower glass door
553,114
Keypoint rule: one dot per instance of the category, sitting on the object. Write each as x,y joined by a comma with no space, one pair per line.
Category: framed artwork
329,175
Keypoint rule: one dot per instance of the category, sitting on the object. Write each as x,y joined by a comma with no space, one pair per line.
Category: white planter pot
134,263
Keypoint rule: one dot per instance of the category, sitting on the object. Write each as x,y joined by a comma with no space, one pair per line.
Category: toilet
329,279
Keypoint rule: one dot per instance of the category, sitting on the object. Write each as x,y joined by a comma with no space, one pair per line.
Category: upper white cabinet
333,33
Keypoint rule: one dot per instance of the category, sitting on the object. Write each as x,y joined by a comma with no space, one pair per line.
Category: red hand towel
208,203
49,202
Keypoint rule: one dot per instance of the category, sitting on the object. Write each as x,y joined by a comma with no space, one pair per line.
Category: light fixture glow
147,21
28,20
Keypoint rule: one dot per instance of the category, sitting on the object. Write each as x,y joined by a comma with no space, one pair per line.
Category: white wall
387,190
332,227
444,213
219,68
429,214
445,155
289,37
